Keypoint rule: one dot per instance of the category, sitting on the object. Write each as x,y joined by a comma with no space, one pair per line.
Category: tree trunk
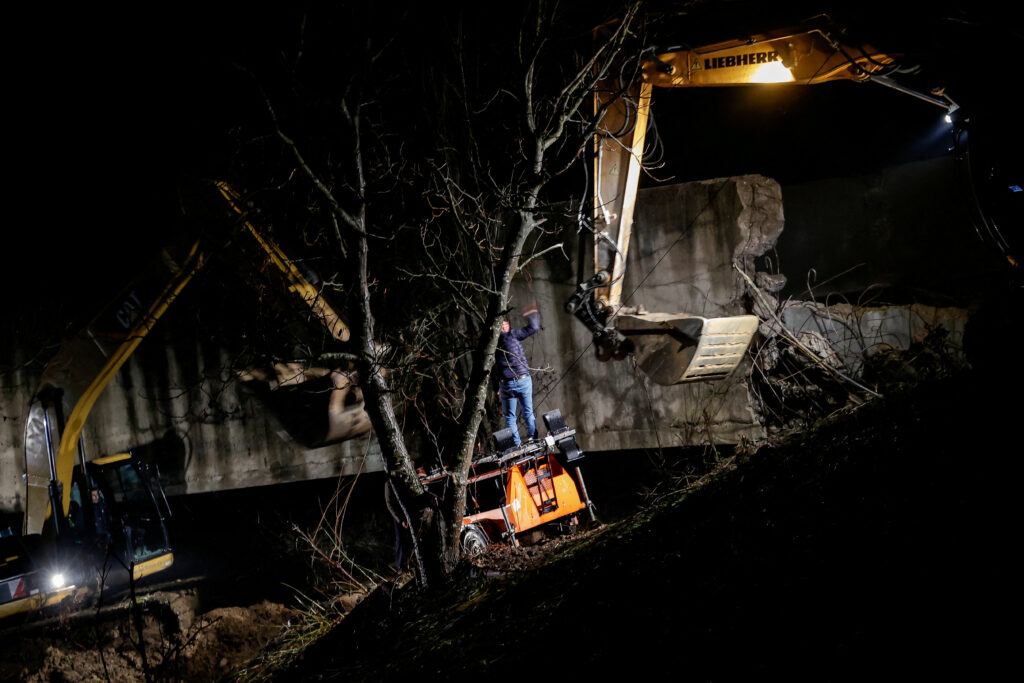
479,381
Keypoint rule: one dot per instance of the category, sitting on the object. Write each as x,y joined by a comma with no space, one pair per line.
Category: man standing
516,386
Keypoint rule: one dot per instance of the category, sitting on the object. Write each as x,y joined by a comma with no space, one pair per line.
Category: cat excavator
80,513
678,347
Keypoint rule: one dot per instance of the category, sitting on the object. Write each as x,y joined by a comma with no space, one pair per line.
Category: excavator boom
61,523
681,347
86,363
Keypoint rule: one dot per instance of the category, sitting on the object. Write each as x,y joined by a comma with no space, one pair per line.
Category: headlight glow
56,580
772,72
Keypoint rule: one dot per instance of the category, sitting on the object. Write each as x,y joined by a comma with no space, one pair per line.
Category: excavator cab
116,522
129,511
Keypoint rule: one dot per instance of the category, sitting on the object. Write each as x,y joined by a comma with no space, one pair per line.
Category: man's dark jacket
510,355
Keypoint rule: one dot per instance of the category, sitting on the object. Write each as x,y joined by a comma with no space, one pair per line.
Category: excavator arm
85,365
674,348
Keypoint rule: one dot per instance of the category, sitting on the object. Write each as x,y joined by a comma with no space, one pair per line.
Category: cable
650,408
654,158
628,122
966,168
581,220
588,223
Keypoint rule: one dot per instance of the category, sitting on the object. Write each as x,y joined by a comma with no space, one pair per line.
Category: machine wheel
474,540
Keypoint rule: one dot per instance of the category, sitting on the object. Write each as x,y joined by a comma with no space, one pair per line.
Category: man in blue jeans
516,386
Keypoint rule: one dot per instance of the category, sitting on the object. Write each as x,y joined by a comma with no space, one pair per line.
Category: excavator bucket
677,348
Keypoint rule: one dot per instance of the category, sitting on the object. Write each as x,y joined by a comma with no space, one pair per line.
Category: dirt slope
182,642
880,543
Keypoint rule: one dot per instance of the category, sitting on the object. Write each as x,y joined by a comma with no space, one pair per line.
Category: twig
553,247
810,354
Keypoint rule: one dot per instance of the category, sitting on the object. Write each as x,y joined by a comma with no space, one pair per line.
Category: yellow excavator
677,347
81,513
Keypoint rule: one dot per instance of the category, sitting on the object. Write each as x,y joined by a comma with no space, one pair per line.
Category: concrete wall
210,433
685,240
902,228
171,404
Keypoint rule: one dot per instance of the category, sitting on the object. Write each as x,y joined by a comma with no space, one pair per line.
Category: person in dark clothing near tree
402,541
515,384
99,508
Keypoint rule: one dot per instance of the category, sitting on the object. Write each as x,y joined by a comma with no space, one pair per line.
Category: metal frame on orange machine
538,490
541,483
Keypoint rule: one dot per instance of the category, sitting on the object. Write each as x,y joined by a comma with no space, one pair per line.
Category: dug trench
242,572
880,541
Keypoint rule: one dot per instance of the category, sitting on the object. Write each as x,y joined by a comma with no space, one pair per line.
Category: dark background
111,108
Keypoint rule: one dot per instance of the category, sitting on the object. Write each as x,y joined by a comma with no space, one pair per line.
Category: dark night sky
796,133
111,108
108,109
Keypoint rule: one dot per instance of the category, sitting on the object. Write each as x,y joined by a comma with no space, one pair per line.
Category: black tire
474,540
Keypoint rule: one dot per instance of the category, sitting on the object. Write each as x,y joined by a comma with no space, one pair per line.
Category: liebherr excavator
674,348
77,513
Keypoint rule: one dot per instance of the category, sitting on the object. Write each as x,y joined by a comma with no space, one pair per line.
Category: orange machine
522,488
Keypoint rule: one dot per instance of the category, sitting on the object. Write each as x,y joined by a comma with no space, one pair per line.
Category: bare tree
425,181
